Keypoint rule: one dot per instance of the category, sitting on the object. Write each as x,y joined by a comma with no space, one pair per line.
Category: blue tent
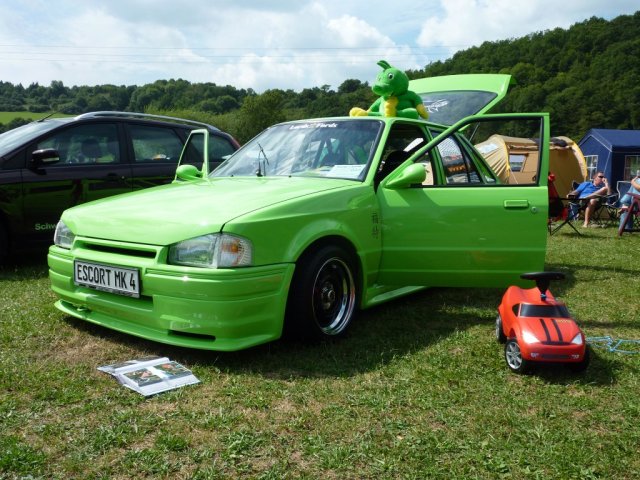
615,152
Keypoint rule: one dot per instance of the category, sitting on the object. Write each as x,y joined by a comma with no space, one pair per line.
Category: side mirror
188,172
411,175
44,156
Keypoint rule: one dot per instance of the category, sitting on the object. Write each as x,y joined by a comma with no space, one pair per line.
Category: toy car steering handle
543,280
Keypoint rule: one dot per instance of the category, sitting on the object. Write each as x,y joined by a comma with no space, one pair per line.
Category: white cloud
465,23
257,44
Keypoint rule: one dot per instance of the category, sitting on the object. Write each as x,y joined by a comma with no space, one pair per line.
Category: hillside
587,76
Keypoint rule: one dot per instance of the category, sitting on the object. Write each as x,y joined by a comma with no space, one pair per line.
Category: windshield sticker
435,105
346,171
302,126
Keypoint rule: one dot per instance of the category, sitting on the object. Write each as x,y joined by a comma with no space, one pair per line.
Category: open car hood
452,97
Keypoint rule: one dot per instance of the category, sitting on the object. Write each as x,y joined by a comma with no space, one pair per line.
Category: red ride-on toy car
535,327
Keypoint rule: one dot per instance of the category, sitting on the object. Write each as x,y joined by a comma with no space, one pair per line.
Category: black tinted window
84,144
555,311
155,144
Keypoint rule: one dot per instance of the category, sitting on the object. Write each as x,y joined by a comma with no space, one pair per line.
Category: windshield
18,136
548,311
330,148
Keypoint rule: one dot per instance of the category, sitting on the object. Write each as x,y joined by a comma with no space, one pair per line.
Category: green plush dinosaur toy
396,100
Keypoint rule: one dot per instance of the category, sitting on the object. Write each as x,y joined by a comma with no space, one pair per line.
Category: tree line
586,76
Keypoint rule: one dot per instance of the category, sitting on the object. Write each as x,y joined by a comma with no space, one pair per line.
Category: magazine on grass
150,375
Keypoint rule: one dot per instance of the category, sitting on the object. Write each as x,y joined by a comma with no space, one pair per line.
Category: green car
309,222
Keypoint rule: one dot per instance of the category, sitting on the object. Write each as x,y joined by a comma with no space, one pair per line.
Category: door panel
467,229
90,167
469,236
155,153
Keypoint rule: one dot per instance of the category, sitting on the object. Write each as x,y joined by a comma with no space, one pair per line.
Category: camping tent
515,160
614,152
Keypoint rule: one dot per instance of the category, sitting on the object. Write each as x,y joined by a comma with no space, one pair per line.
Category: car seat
90,151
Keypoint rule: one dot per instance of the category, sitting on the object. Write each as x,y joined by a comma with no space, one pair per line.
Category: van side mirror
44,156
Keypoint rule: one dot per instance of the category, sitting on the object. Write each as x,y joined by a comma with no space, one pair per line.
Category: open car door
456,224
196,153
450,98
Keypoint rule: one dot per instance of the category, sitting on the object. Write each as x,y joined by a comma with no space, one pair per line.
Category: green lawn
419,389
6,117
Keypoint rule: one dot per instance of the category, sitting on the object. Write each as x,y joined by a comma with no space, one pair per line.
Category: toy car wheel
513,356
323,295
500,336
581,366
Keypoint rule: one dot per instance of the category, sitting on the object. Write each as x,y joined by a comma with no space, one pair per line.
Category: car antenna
264,155
45,117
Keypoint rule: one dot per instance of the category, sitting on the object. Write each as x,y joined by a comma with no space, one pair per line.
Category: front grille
129,252
550,356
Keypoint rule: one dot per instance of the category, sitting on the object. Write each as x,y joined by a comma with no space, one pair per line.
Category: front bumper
539,352
223,309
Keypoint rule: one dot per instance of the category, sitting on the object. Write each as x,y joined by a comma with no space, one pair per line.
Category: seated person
625,201
590,192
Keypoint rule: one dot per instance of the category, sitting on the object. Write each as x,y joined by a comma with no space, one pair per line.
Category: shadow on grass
27,268
377,337
602,371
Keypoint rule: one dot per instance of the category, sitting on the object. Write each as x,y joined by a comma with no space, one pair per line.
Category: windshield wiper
264,155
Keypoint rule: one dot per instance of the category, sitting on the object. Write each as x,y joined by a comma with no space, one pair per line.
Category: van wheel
323,295
4,244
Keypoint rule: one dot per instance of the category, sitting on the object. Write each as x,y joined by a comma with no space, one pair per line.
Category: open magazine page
149,376
119,367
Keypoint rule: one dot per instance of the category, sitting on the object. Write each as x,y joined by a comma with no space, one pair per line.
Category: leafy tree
257,113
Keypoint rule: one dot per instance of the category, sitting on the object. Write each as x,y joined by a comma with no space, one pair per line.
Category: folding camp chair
558,209
630,220
606,213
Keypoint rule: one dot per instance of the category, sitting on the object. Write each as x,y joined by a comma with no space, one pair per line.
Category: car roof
146,117
15,137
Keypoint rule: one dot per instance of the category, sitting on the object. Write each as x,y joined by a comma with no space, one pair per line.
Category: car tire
581,366
513,357
323,295
500,336
4,244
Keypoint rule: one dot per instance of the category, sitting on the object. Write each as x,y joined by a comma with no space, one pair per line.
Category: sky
285,44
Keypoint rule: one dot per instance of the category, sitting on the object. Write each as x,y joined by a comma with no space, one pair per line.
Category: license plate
123,281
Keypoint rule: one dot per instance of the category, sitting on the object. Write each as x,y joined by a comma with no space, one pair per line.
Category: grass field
6,117
418,389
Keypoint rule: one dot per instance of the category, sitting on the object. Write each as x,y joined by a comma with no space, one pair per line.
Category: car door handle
114,177
516,204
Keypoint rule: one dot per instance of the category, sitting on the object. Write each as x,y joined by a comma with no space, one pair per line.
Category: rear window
446,108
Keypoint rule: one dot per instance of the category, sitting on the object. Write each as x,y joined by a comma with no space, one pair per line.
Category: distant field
6,117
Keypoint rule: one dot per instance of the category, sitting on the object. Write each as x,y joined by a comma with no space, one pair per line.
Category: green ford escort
309,222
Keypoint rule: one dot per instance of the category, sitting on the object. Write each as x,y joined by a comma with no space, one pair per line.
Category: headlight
63,237
577,340
529,337
217,250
